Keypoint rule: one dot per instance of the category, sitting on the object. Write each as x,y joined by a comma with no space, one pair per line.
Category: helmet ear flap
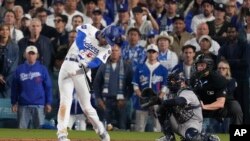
112,34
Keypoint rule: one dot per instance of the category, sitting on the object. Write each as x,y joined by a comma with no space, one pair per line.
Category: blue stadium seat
8,119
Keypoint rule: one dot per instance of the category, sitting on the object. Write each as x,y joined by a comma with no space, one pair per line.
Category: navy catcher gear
174,81
112,34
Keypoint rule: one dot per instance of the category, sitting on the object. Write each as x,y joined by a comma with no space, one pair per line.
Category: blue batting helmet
112,34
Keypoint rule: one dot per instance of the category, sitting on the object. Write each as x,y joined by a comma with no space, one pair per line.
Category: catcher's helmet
174,81
202,58
112,34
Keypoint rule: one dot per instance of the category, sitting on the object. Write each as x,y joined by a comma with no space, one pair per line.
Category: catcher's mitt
148,98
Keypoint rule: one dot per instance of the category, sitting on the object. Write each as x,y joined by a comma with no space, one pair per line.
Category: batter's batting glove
81,60
83,64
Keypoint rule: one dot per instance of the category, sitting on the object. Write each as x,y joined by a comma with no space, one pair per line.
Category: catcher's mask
146,95
175,80
202,58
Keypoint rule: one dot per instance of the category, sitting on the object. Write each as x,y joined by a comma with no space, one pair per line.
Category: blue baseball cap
137,9
122,8
152,33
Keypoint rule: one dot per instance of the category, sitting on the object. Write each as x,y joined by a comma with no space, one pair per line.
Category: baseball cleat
110,127
213,138
161,138
105,136
63,138
166,138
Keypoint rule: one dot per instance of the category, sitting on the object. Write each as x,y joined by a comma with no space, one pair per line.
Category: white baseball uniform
85,50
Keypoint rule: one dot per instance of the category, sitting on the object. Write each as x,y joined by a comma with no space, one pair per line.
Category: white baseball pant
71,78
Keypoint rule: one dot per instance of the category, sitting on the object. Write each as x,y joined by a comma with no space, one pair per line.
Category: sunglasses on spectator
57,20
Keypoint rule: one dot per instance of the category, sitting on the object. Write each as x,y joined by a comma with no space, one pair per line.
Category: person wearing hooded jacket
31,91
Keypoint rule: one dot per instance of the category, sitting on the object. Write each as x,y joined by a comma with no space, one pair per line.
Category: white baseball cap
205,37
31,49
152,47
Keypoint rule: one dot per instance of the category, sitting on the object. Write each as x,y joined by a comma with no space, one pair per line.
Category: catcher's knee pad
192,134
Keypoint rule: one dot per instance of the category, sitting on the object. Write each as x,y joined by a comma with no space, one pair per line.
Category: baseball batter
83,54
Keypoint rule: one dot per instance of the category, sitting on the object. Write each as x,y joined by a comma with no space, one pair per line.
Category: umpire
211,89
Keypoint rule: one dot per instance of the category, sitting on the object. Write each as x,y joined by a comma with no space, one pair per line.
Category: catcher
180,114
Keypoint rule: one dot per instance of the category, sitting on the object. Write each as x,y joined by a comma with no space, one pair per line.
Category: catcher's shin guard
193,134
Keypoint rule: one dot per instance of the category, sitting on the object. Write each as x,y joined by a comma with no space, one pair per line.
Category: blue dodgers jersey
143,79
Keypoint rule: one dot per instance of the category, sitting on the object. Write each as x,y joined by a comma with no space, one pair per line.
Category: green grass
115,135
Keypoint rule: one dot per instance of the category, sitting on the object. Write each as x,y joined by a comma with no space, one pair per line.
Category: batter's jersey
90,48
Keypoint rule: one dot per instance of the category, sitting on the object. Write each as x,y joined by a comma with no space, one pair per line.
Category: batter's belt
72,59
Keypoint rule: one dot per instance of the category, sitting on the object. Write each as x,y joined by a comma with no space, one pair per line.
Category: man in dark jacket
235,50
42,43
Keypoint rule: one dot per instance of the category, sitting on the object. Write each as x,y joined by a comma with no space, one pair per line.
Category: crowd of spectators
179,29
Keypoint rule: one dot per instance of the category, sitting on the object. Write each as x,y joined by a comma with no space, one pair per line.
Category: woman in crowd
224,69
8,60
